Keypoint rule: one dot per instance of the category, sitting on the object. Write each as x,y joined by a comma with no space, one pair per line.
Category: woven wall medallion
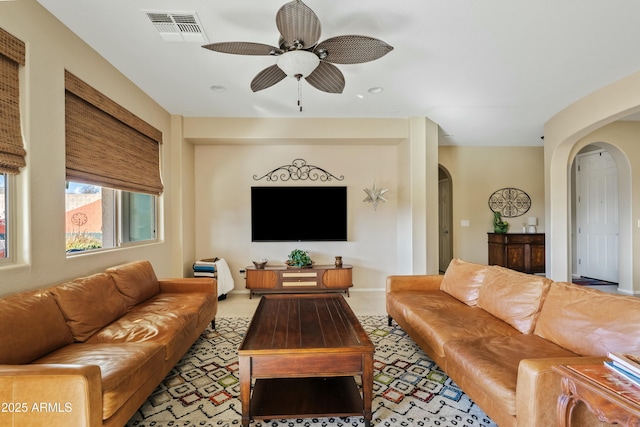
510,202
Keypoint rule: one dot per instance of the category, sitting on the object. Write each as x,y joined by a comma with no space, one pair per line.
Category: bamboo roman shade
12,56
107,145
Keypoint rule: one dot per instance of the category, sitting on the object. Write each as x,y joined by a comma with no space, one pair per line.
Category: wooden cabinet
520,252
261,279
319,278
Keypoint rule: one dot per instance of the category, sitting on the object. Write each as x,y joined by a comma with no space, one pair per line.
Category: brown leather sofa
497,333
89,352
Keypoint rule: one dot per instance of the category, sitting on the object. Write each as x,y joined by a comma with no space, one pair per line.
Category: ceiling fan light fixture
298,63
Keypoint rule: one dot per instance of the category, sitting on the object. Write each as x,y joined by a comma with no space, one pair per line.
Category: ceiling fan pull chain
299,76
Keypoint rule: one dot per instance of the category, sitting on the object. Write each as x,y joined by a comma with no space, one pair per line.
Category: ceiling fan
300,55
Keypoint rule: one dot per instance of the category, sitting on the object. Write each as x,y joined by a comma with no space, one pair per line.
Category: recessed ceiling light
374,90
218,88
360,96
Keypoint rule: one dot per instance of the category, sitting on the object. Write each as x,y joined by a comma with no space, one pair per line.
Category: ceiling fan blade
267,78
353,49
297,22
327,78
241,48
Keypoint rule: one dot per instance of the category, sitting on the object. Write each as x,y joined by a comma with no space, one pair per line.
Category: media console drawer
299,278
319,278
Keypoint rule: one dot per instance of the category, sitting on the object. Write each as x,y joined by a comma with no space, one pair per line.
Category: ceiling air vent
178,26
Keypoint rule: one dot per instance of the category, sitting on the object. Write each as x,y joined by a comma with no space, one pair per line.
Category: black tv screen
288,214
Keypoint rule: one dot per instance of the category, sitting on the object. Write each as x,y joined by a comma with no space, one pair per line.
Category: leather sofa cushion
160,320
463,279
184,305
123,368
439,318
31,325
89,303
513,297
489,365
136,281
589,322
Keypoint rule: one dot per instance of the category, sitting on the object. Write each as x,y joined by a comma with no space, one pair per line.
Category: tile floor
611,289
363,303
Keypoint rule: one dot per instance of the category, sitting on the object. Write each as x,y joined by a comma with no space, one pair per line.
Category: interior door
445,238
597,216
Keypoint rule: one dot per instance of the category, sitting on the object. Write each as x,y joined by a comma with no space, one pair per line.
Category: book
627,361
205,274
203,268
208,261
621,371
608,379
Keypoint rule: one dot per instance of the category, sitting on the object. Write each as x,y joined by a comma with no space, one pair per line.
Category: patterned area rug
409,388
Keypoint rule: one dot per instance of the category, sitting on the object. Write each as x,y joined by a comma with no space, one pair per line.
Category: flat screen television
298,214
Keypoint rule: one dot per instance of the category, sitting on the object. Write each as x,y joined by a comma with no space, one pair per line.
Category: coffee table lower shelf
306,398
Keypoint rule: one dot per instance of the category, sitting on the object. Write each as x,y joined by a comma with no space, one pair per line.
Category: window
112,169
139,217
12,152
100,217
4,225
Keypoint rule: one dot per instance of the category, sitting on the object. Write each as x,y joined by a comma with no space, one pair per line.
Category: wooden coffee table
302,353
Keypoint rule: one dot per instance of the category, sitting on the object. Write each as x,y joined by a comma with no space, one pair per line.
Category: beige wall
40,213
377,244
476,172
224,176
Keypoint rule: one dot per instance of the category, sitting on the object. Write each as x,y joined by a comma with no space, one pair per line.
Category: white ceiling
489,72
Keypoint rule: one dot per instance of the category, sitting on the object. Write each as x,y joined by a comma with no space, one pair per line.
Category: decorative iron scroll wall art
510,202
298,170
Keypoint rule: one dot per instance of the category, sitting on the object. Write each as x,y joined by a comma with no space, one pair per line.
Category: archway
621,209
560,152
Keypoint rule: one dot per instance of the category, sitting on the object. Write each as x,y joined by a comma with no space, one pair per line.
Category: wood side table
611,403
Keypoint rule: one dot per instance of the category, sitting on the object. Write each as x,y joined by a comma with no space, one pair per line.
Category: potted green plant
499,225
299,258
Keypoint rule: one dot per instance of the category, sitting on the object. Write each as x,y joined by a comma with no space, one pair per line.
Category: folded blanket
225,279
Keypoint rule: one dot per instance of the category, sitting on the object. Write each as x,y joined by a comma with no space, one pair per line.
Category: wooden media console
283,279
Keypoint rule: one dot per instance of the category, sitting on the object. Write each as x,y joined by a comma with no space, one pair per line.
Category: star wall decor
374,195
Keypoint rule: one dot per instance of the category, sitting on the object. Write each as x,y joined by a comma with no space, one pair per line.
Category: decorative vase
338,261
499,226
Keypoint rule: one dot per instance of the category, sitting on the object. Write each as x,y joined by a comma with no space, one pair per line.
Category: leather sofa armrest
538,389
189,284
51,395
425,282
